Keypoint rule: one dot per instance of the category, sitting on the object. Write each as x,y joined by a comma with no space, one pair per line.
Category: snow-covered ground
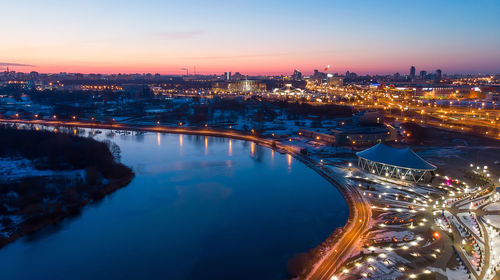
389,234
455,274
493,206
16,168
494,220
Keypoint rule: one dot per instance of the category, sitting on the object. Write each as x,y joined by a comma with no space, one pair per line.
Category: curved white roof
405,158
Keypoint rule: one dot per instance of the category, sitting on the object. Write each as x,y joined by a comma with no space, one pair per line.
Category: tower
439,75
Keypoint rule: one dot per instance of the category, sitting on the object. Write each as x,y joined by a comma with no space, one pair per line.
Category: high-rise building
318,76
237,76
423,74
297,75
227,76
439,75
412,72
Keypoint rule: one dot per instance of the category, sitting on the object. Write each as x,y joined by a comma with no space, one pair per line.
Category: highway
359,209
359,222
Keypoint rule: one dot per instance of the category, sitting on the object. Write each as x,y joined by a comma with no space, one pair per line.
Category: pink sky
251,37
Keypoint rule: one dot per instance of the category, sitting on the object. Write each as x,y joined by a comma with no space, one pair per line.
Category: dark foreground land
67,172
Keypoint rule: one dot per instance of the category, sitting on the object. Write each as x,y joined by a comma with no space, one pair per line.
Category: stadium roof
405,158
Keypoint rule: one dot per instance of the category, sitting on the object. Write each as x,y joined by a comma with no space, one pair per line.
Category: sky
251,37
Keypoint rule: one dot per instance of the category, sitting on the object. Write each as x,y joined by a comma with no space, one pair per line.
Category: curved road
359,209
347,244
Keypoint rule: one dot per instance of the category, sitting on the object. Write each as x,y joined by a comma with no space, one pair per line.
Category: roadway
348,243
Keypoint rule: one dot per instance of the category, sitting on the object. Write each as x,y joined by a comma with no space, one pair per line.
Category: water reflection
289,161
252,148
186,213
206,145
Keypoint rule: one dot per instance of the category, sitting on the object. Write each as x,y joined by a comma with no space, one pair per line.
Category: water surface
198,208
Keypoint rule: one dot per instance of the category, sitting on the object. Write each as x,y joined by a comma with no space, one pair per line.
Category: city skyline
250,37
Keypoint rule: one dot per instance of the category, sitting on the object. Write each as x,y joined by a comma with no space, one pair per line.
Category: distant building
368,118
446,91
438,75
318,76
334,81
227,76
289,91
237,76
362,135
297,75
319,134
240,86
412,72
423,74
352,135
367,128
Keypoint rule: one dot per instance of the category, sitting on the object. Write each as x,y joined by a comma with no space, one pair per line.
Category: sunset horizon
250,37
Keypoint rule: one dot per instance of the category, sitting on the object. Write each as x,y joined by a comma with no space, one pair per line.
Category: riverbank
48,176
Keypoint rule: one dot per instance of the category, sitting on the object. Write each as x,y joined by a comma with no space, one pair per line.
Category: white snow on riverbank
12,169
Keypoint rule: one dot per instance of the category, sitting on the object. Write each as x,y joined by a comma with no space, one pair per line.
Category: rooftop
405,158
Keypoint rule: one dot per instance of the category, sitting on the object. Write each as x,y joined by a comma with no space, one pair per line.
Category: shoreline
350,194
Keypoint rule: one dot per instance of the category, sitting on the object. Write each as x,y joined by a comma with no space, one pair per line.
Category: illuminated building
240,86
334,81
402,164
288,90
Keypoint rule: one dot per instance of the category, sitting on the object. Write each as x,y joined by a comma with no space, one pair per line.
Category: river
198,208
